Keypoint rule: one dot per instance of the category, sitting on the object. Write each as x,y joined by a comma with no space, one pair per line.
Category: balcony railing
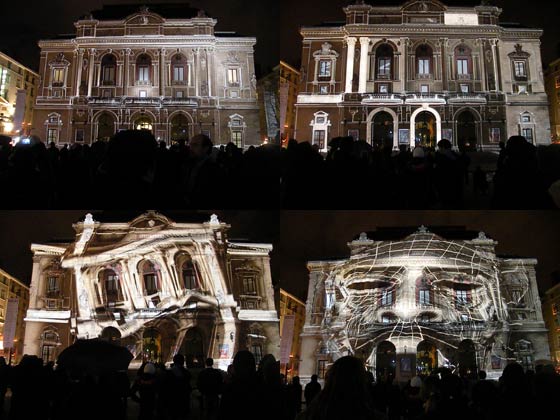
56,304
143,83
464,77
424,76
179,83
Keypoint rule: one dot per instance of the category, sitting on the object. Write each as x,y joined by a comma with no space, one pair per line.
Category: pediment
424,6
144,18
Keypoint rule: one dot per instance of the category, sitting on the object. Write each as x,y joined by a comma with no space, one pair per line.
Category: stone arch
385,359
190,123
102,129
477,127
146,114
393,114
424,107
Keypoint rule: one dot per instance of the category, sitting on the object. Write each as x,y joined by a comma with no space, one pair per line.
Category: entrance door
382,130
425,129
426,358
386,361
193,348
105,127
466,131
179,128
143,123
466,357
151,345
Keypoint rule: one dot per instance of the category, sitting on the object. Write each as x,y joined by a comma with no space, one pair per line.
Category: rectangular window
150,283
528,134
521,89
324,90
321,368
143,93
58,77
557,82
52,286
525,118
355,134
237,138
424,88
464,88
424,66
52,135
109,75
178,73
387,298
179,94
325,68
143,74
189,277
384,88
384,67
461,297
48,353
256,349
249,286
79,135
424,297
462,67
233,77
520,69
319,138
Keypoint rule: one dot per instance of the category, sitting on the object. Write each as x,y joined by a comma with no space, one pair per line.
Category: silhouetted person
209,383
4,381
479,181
294,397
145,392
312,389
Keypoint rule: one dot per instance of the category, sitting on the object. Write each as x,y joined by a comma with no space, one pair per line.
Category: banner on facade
287,338
10,322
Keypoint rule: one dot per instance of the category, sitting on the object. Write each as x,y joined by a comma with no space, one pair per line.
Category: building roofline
284,292
18,63
283,63
6,274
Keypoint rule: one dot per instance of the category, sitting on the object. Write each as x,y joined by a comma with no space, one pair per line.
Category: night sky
19,229
25,22
541,14
307,236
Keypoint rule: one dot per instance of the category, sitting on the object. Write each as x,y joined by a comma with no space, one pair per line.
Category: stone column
493,43
364,42
350,49
162,72
195,66
79,63
126,71
90,74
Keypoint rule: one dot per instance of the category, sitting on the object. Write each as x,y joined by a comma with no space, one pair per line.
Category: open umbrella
94,356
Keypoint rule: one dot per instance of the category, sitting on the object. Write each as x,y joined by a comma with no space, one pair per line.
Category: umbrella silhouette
94,356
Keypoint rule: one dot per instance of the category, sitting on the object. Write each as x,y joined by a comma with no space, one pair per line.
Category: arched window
424,61
463,62
150,277
180,70
108,70
256,340
143,64
190,275
423,292
50,340
111,286
384,58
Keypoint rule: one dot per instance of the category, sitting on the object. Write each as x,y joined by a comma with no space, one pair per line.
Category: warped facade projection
408,306
155,286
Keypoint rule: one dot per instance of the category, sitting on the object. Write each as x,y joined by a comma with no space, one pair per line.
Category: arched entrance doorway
151,345
179,128
466,131
426,357
466,358
193,348
382,130
105,126
386,360
143,123
425,134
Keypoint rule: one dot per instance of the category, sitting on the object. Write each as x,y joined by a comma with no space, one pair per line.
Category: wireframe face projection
408,306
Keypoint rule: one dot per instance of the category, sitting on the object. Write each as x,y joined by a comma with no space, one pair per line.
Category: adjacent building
156,286
289,84
551,313
406,304
164,69
12,288
552,78
267,92
420,72
292,307
18,88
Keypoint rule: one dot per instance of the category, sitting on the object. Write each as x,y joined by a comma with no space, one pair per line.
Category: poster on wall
447,133
224,351
10,322
404,136
355,134
495,135
496,362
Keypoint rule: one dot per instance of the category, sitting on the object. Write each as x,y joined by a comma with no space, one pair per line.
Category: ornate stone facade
158,287
406,306
421,72
127,69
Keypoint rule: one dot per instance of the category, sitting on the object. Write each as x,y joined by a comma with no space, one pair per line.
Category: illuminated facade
552,78
10,287
165,70
551,313
267,88
407,306
414,74
289,84
156,286
18,87
291,305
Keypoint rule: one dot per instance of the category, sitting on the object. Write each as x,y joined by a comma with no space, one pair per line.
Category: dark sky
18,229
24,22
295,13
307,236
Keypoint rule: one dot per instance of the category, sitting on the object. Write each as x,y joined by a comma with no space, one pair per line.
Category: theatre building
156,286
416,73
407,304
163,69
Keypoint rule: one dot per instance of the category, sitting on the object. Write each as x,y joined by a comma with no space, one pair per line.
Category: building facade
12,288
157,287
406,306
18,88
292,306
551,314
414,74
552,78
289,85
267,92
136,69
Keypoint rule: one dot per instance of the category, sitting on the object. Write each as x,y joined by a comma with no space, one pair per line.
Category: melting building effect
411,305
155,286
